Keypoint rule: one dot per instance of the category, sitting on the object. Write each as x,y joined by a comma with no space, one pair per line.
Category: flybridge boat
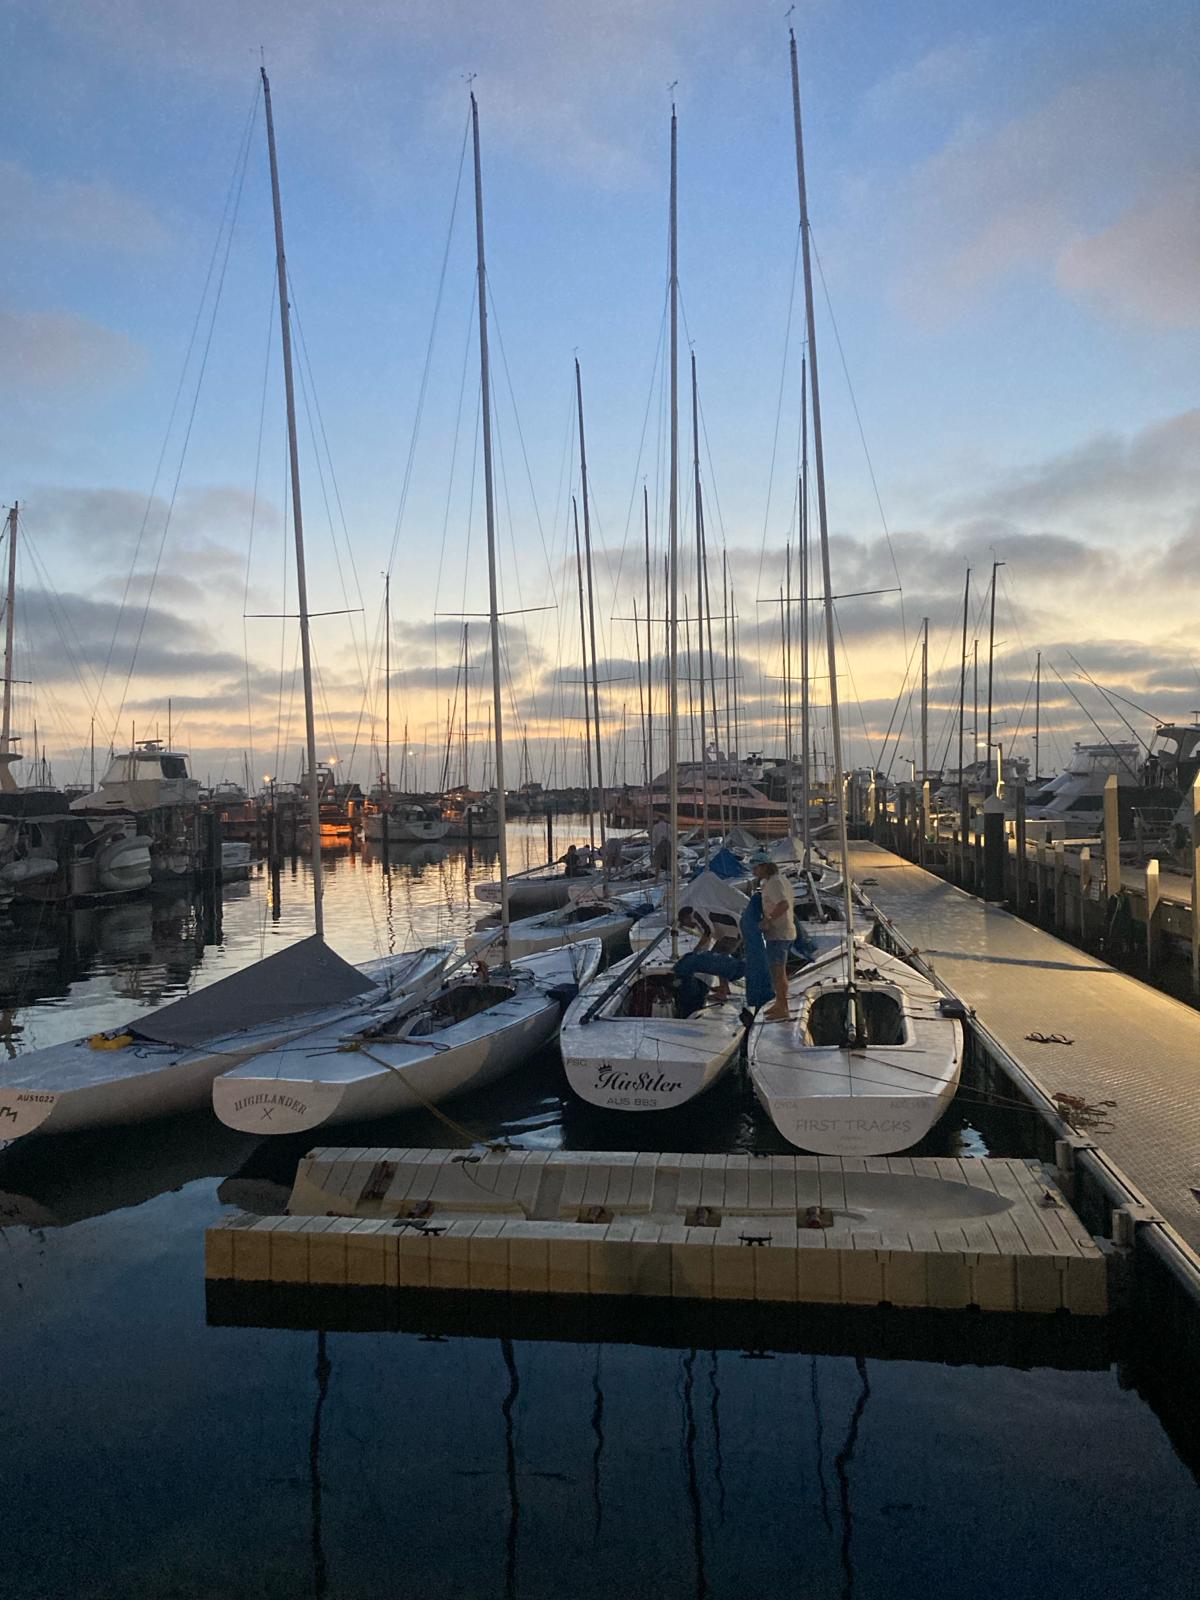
1075,799
146,778
462,1035
164,1063
152,783
860,1072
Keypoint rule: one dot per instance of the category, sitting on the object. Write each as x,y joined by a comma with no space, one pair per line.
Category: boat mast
962,680
730,748
649,669
387,683
587,715
7,753
699,602
1037,717
925,698
587,553
806,785
673,556
987,754
310,724
489,503
823,523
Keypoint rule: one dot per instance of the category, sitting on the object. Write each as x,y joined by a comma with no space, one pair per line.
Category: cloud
948,70
56,351
1153,474
1074,190
1146,265
71,211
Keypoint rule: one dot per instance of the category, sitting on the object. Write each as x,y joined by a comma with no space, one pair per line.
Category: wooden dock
993,1234
1074,1025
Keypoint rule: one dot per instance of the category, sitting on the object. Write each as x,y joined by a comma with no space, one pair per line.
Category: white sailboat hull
526,896
405,830
876,1101
634,1063
80,1085
336,1076
531,936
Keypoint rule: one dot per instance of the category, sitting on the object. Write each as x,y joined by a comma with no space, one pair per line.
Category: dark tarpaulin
307,976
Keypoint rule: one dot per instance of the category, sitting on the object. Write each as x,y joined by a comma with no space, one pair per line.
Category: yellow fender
110,1041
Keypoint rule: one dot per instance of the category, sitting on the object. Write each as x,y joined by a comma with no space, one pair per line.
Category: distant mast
310,724
490,506
835,719
387,684
673,559
7,754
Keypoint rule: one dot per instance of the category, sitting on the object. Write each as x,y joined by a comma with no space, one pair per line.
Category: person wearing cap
779,928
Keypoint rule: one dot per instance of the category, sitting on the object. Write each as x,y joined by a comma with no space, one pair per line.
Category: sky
1006,221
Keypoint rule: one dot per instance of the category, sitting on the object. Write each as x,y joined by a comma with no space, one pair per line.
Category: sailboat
480,1022
623,1045
165,1062
870,1059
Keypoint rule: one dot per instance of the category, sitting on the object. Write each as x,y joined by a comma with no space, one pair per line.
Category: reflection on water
66,973
214,1443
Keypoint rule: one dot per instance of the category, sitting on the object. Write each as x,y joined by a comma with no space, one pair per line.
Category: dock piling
1112,837
995,848
1153,919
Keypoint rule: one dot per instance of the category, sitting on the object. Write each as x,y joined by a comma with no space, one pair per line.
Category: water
156,1449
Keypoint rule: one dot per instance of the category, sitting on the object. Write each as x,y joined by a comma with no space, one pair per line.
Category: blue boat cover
759,988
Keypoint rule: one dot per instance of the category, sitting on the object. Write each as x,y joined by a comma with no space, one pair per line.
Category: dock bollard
995,848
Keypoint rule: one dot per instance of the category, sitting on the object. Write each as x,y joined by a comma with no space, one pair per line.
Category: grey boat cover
307,976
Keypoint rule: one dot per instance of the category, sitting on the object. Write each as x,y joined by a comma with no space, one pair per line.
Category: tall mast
712,674
7,753
730,747
835,717
587,716
673,555
806,789
649,668
1037,718
925,698
962,677
785,622
699,598
489,502
987,754
310,723
387,683
587,551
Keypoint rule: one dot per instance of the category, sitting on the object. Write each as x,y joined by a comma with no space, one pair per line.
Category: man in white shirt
779,930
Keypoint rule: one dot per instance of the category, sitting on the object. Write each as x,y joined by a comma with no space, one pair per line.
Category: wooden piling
1022,862
1152,915
1112,837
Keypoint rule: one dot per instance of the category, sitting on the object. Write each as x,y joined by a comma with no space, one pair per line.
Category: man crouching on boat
779,929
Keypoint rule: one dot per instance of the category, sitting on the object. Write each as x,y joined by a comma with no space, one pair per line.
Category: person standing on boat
660,847
779,928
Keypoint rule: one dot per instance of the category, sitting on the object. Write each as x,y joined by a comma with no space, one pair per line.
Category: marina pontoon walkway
1130,1043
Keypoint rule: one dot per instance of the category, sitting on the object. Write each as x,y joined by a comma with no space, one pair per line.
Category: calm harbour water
154,1451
